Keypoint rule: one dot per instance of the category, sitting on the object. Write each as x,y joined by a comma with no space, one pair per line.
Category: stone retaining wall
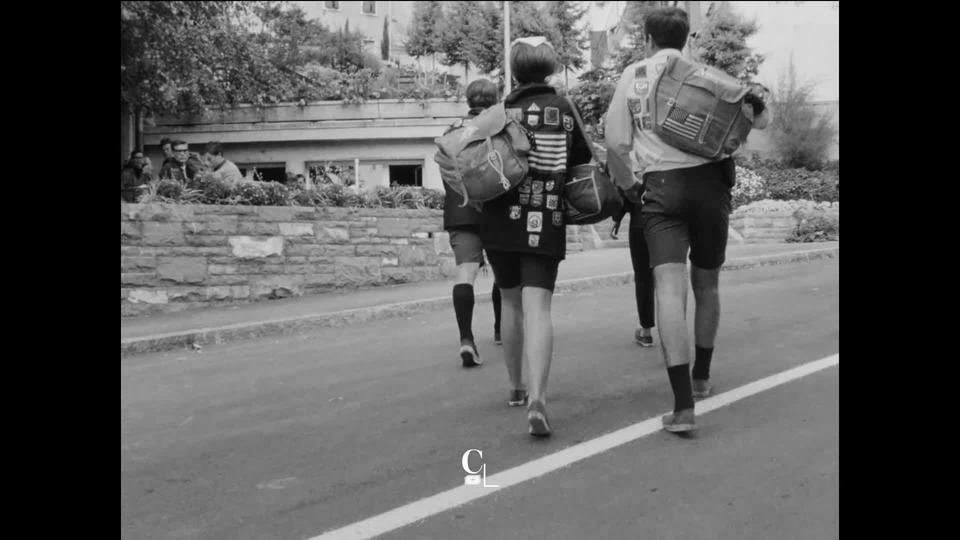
757,227
175,257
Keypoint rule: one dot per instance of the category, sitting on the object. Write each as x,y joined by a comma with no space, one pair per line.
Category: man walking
685,206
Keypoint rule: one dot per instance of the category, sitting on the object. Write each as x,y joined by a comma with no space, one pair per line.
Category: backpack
485,157
699,109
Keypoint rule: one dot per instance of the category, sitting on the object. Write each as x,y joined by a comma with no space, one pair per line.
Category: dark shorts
513,269
466,246
688,210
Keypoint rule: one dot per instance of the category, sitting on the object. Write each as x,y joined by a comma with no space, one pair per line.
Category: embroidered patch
537,186
568,122
533,108
645,122
641,87
557,219
514,212
552,202
537,200
533,120
525,186
534,221
524,198
658,69
635,105
534,240
640,72
551,116
549,185
515,113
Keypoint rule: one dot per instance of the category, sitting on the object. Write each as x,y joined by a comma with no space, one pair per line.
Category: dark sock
701,365
495,296
463,306
682,391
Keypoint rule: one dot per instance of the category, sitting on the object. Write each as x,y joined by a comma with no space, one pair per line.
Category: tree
460,25
632,22
385,42
572,41
802,134
486,45
722,43
423,36
528,19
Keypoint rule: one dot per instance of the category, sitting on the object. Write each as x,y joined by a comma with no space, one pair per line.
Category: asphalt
291,436
220,324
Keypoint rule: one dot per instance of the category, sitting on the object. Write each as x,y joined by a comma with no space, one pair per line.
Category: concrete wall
378,132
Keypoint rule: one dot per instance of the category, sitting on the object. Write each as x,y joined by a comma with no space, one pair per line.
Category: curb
293,325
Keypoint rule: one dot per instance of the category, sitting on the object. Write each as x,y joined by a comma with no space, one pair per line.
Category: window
406,175
332,5
268,172
370,8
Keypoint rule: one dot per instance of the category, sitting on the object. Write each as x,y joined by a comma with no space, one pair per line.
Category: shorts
688,210
466,246
513,269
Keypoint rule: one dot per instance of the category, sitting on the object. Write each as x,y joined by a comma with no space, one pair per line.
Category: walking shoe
702,389
517,398
537,418
470,355
680,421
644,341
496,338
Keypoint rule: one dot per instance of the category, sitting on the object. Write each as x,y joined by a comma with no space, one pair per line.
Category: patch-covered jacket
530,218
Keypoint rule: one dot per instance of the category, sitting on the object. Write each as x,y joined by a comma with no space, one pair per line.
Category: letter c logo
465,461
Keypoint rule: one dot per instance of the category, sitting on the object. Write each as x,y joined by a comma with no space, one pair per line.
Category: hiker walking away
523,230
685,202
463,223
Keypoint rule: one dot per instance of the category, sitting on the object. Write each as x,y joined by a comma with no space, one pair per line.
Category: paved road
290,437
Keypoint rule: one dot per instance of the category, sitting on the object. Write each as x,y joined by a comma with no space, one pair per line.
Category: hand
634,194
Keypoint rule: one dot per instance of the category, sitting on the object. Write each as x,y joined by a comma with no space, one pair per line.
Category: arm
619,138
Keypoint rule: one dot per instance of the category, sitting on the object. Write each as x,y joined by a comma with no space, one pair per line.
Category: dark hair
177,142
135,151
531,64
214,148
668,27
482,93
165,141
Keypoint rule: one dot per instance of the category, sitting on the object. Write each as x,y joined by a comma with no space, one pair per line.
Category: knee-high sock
463,306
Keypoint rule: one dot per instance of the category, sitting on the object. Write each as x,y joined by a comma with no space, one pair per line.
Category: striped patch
549,152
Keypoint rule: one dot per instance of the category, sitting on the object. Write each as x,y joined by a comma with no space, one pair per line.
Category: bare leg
513,335
671,306
706,293
538,338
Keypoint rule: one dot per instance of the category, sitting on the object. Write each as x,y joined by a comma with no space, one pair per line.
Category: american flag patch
549,152
682,123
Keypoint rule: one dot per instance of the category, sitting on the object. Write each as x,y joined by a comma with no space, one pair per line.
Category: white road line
429,506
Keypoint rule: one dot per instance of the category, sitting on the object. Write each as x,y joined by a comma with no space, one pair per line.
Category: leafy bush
802,134
815,227
750,187
593,96
783,182
769,205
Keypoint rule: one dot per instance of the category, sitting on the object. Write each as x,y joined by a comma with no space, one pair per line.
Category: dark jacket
530,218
455,217
171,169
130,179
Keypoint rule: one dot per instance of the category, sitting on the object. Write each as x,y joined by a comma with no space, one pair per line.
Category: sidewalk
585,270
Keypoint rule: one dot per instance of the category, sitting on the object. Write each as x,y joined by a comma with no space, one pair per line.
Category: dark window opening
332,5
370,8
266,174
406,175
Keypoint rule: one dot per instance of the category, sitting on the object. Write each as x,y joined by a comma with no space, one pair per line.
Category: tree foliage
423,37
802,134
486,47
462,22
572,39
722,43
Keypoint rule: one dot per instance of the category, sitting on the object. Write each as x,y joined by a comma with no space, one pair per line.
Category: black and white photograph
458,270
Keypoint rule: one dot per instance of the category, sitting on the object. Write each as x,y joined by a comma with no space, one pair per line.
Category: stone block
356,271
199,240
148,296
278,213
402,274
221,269
215,225
142,279
130,230
441,243
258,228
296,229
413,255
247,247
138,264
182,269
393,227
162,234
331,235
377,250
390,261
276,286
